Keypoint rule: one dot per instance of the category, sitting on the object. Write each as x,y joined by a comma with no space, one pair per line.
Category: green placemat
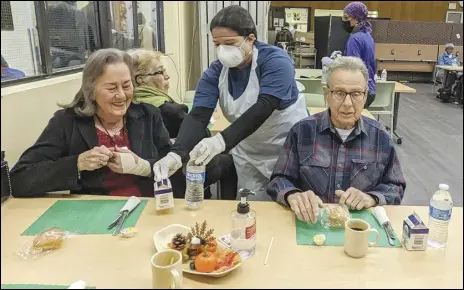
37,286
83,217
334,237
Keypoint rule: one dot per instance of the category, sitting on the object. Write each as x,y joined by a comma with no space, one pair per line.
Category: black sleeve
250,121
173,115
192,131
45,166
160,137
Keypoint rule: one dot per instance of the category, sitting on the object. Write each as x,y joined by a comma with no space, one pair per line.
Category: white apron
256,156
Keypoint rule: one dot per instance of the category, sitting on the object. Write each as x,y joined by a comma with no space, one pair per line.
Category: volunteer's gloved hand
207,149
166,166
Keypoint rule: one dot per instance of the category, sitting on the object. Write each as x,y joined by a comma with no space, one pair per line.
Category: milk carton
415,233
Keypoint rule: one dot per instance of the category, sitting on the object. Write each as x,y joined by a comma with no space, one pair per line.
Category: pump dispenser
243,234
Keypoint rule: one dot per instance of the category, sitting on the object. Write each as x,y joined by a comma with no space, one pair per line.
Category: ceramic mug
166,270
356,241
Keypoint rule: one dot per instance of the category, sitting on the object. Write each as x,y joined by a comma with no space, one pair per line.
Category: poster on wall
276,22
281,22
298,16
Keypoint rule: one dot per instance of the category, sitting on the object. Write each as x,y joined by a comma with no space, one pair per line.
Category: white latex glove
207,149
166,166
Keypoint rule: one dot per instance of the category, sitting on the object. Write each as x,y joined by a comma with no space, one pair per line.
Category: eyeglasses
340,95
156,73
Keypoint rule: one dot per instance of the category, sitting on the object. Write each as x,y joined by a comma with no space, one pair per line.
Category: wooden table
399,88
450,67
308,73
221,122
105,261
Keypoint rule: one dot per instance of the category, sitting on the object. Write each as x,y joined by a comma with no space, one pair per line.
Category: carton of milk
415,233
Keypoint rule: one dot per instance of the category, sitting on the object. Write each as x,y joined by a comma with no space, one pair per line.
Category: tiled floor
432,148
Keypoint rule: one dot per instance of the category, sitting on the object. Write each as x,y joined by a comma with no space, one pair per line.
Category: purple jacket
361,44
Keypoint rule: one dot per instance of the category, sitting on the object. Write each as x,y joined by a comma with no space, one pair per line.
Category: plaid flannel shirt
314,157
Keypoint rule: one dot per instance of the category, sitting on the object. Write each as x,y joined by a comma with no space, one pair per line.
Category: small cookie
319,239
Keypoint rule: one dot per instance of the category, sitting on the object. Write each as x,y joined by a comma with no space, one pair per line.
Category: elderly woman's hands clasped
119,160
94,158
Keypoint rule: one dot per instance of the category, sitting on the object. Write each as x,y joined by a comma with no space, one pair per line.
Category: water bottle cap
443,186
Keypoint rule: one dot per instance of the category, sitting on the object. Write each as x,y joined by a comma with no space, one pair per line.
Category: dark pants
220,168
370,99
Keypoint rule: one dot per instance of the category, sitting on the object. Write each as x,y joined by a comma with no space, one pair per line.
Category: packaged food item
44,242
415,233
334,216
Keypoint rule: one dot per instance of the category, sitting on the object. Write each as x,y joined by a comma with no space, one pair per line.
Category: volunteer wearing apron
254,84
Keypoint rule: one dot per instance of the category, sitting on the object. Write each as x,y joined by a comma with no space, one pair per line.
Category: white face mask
231,55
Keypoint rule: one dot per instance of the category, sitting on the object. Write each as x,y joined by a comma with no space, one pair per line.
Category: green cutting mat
334,237
37,286
84,217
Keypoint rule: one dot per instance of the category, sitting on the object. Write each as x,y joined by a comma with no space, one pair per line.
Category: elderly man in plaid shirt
338,156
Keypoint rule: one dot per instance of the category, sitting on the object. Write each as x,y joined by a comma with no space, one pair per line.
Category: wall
27,108
181,48
396,10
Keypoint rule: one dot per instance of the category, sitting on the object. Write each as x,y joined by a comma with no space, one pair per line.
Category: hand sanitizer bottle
243,235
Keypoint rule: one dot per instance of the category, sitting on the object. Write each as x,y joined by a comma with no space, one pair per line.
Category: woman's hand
204,151
116,164
94,158
127,162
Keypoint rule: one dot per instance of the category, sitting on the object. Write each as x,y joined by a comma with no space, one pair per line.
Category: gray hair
349,63
84,103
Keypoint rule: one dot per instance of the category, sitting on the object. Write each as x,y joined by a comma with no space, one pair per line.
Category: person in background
69,33
103,142
450,59
293,30
9,73
338,156
151,83
254,84
360,43
146,34
284,37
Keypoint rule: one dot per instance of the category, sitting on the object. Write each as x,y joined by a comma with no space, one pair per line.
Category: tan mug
166,270
356,241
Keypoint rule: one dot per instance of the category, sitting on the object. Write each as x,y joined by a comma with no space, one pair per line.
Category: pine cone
178,242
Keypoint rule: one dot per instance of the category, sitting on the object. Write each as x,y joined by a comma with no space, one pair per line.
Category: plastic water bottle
441,206
195,189
383,76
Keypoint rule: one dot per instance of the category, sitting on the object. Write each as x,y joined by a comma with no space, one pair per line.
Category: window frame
102,39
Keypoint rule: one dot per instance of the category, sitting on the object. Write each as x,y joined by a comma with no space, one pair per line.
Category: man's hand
355,199
305,205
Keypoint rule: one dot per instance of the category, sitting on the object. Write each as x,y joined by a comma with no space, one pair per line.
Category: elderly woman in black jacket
103,142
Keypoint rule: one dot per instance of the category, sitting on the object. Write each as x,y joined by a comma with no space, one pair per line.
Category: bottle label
438,214
195,177
250,231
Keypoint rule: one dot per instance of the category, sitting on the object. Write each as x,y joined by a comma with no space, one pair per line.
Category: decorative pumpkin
211,246
205,262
